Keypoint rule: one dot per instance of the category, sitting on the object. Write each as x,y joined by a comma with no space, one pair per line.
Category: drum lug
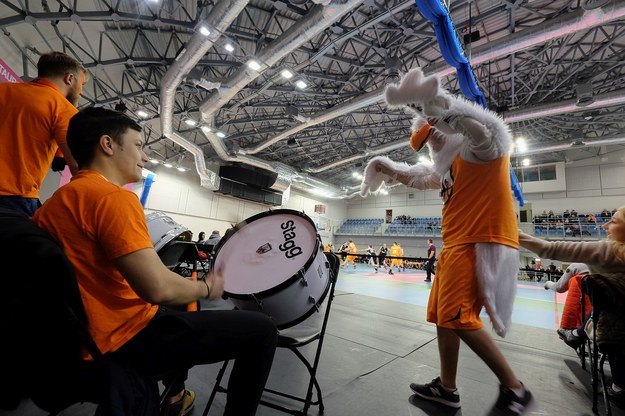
314,302
303,279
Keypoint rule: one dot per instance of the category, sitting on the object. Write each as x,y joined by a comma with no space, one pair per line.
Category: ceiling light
253,65
221,134
229,47
181,169
287,74
384,192
300,84
204,30
142,114
190,122
357,175
168,165
588,117
526,162
154,161
521,145
206,129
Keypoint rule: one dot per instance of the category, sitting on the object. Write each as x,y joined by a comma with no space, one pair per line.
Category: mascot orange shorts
454,300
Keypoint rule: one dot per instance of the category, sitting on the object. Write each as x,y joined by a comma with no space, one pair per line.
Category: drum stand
293,339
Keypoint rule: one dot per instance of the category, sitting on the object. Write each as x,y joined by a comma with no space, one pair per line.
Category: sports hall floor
378,342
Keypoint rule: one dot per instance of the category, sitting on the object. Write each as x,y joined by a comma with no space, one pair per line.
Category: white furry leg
497,267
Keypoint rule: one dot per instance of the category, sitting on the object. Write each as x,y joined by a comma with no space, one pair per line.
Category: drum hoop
293,277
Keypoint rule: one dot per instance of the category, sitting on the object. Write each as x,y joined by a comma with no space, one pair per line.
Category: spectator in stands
33,125
591,219
574,213
566,214
606,257
605,213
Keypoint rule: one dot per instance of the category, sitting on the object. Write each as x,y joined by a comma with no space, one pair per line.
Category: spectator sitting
590,218
570,281
573,213
214,238
201,237
605,213
566,214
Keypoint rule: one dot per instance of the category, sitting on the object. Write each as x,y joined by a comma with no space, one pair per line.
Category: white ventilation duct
218,20
548,30
355,104
568,106
318,19
604,141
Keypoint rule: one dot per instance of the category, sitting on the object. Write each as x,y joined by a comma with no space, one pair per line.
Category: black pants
429,267
175,341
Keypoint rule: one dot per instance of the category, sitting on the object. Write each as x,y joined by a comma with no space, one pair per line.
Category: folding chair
293,339
42,313
605,298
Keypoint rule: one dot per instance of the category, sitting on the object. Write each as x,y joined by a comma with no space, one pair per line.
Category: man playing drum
102,229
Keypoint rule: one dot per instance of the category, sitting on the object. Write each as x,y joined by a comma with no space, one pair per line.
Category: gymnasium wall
180,196
591,185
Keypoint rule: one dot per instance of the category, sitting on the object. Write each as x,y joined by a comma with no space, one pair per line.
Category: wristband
209,289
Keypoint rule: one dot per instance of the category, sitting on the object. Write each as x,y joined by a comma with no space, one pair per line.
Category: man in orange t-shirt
102,229
33,125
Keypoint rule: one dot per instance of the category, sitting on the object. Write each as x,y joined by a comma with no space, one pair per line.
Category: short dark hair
57,64
86,128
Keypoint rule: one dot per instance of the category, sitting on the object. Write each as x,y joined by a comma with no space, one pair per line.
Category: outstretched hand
422,95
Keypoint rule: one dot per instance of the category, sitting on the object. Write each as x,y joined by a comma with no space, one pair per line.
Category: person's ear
69,78
106,144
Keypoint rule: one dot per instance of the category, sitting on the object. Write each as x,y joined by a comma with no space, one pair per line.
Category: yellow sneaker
180,408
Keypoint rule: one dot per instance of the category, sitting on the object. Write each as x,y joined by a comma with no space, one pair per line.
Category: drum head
265,251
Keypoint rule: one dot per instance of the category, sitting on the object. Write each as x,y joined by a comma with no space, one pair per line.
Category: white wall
180,196
591,185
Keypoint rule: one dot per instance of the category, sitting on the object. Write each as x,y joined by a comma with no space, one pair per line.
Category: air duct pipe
218,20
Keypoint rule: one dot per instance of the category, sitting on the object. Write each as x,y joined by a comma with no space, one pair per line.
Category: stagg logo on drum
289,248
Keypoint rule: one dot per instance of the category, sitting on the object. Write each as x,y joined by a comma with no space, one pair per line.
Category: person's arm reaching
155,283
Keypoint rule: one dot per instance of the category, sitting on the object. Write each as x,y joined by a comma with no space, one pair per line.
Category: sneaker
570,339
508,403
390,272
427,280
435,391
180,408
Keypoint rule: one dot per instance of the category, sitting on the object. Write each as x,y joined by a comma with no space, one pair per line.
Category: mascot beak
420,137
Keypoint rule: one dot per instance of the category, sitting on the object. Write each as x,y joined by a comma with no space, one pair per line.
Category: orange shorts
454,302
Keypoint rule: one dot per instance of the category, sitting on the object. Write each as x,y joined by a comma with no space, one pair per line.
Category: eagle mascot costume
469,147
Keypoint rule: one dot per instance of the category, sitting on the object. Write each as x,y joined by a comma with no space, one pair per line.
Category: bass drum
274,263
165,233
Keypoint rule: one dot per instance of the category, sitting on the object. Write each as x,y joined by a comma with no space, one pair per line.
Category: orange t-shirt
34,121
96,222
478,205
